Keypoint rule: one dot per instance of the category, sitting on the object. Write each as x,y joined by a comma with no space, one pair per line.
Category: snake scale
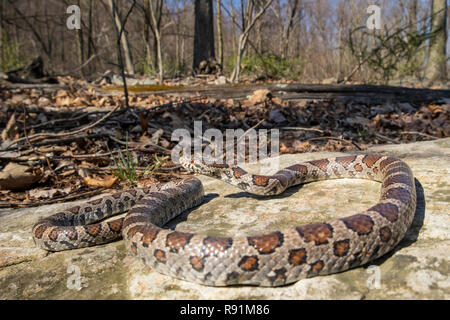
272,259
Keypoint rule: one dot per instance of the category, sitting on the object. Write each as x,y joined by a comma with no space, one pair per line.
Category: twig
78,68
378,135
420,134
54,122
56,135
302,128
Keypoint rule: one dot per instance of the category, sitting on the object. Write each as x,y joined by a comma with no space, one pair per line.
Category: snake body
272,259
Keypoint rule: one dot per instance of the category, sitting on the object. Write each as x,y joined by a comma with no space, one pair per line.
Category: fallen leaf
106,182
17,177
260,96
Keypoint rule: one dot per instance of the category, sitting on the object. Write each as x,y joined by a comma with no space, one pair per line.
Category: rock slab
418,268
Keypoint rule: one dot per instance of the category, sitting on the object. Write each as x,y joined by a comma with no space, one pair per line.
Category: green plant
391,52
126,167
270,65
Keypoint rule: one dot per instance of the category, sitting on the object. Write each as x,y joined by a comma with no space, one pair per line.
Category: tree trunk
204,32
437,61
123,41
155,15
412,15
80,45
147,26
249,21
219,33
233,32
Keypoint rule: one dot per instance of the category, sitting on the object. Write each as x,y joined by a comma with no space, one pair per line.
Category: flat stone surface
418,268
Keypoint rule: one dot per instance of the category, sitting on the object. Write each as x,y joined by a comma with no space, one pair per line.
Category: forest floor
60,143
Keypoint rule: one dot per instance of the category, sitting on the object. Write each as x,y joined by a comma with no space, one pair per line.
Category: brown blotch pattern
117,195
39,231
93,229
267,243
297,256
214,245
358,168
134,219
360,223
345,161
385,234
317,232
386,162
178,240
238,172
53,235
220,165
249,263
71,232
399,193
197,263
370,159
261,181
298,168
398,169
149,235
282,178
341,247
316,267
321,164
160,256
116,225
398,178
133,230
387,210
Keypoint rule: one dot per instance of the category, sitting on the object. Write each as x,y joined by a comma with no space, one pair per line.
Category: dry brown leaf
260,96
10,131
17,177
106,182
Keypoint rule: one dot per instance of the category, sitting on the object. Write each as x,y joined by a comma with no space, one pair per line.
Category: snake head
196,165
189,164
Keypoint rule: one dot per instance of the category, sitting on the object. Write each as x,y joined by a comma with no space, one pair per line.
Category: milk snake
272,259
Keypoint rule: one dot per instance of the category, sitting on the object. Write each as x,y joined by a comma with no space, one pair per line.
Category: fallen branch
57,135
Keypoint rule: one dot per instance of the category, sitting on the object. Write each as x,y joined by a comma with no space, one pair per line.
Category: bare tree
155,10
219,33
120,34
153,15
249,18
437,60
124,39
204,32
293,11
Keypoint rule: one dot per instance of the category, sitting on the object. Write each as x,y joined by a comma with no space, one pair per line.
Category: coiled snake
272,259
